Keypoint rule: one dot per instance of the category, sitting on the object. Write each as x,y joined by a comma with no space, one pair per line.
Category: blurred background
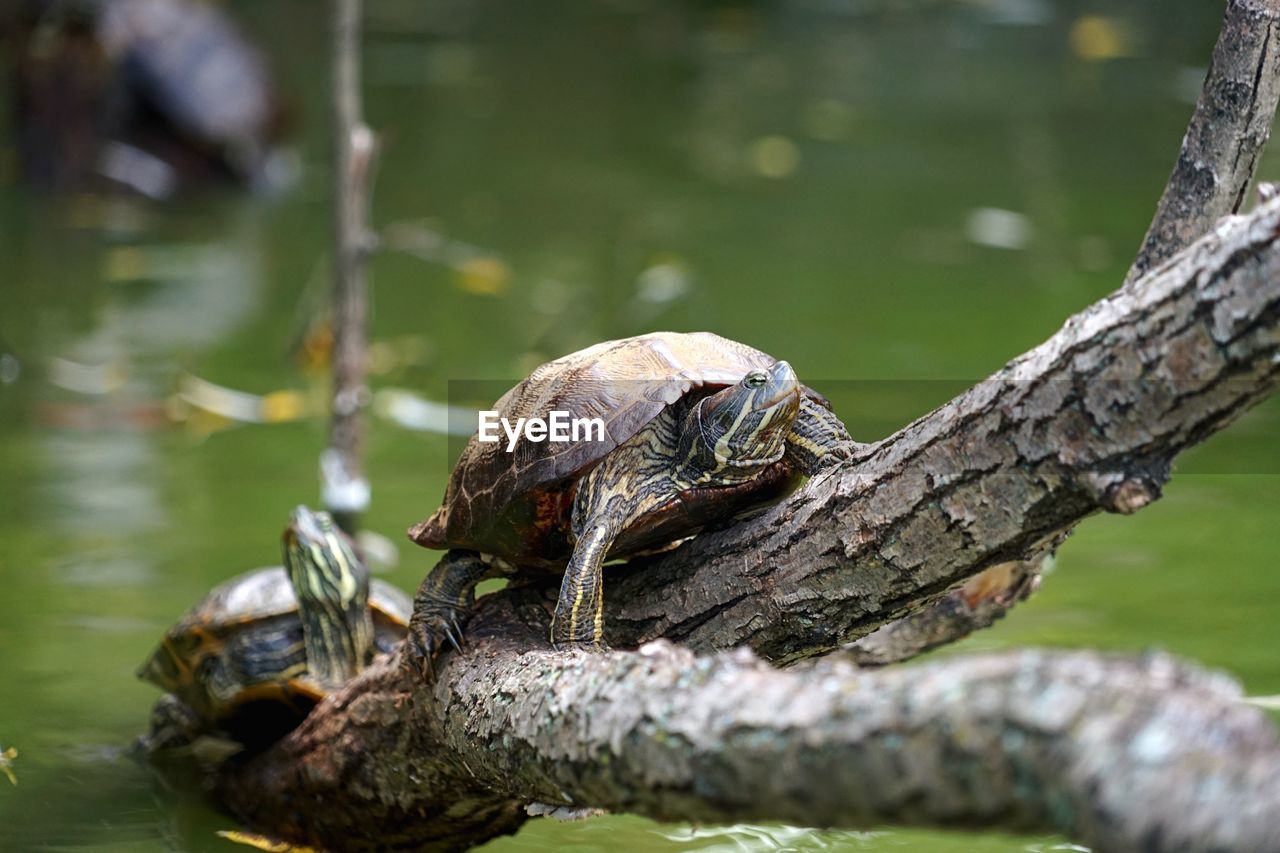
895,195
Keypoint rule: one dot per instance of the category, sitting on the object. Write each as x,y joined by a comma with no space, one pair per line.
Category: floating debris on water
1098,38
6,764
664,281
477,270
774,157
485,275
262,842
213,406
241,406
999,229
93,379
407,409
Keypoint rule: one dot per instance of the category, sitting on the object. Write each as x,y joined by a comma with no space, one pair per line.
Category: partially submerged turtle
258,652
698,428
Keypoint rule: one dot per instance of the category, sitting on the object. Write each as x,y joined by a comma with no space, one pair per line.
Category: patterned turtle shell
243,643
516,505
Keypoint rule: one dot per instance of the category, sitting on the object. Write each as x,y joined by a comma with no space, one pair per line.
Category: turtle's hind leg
441,607
818,439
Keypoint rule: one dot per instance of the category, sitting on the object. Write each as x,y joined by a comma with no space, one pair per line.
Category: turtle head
332,587
735,433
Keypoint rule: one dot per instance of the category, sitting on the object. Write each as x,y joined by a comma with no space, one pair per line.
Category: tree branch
1226,136
1224,141
1120,753
920,539
1089,420
978,603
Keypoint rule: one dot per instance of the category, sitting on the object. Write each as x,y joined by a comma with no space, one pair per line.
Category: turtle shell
516,505
242,643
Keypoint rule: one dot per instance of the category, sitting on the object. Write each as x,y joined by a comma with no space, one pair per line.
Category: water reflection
102,468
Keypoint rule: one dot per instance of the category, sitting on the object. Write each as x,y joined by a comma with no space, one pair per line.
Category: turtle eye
756,379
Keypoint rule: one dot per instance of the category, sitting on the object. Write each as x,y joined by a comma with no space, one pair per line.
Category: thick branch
1219,156
1227,133
978,603
1116,752
1089,420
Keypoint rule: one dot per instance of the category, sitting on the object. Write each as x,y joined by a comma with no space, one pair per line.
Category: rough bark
1120,753
1225,138
1089,420
978,603
1227,133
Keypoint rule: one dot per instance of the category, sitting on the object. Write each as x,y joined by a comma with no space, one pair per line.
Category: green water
798,175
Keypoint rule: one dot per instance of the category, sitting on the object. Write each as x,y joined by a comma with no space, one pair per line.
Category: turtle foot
429,634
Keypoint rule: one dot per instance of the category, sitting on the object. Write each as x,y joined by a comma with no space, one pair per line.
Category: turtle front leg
441,607
174,725
818,439
631,481
578,621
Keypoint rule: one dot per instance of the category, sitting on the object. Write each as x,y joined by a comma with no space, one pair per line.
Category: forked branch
1227,134
1089,420
1119,753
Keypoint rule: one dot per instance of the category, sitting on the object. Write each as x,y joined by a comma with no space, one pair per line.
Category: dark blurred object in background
155,96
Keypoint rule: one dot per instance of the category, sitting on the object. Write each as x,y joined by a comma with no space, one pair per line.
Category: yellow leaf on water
483,275
315,350
263,842
1097,38
282,406
203,423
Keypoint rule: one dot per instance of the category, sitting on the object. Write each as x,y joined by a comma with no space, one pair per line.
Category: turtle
697,429
253,656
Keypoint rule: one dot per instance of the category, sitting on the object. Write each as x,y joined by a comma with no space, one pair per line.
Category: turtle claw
417,656
428,634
